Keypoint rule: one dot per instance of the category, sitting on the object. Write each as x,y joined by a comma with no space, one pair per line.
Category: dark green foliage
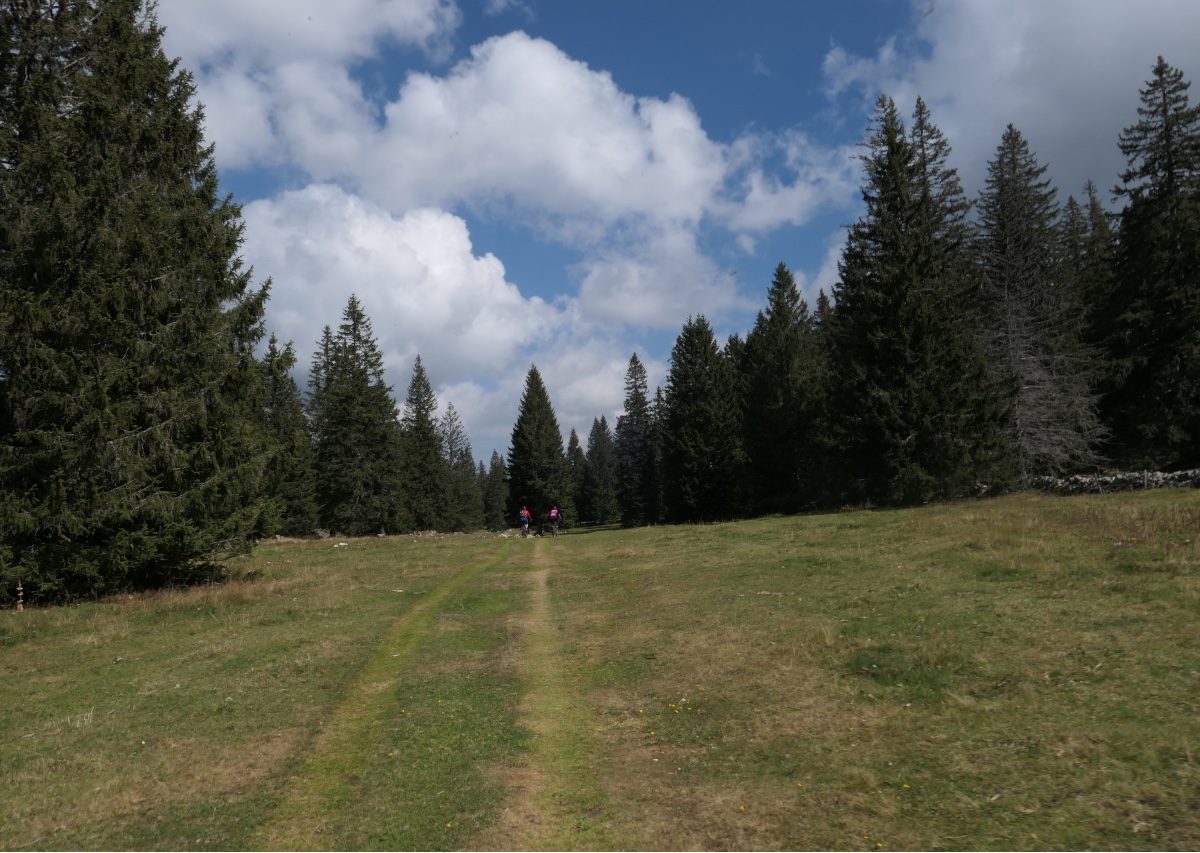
1073,262
289,483
481,473
656,506
495,495
635,449
824,473
821,314
1032,308
912,414
464,490
702,448
1092,267
426,473
600,504
537,468
130,449
357,445
781,376
737,353
577,463
1153,396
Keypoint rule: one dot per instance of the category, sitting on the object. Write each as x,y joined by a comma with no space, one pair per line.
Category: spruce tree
464,493
702,449
780,400
1073,238
1094,275
495,495
426,474
537,467
318,382
656,505
1153,396
357,444
1087,253
288,484
600,476
912,414
481,482
131,453
737,353
1032,312
635,450
577,464
822,313
823,452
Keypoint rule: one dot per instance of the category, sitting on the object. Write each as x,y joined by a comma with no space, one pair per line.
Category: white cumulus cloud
520,122
665,279
273,74
1066,73
517,129
416,275
210,32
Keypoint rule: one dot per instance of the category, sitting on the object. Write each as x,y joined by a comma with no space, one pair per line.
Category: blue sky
507,182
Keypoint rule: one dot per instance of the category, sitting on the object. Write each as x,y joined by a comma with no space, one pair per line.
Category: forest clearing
1021,672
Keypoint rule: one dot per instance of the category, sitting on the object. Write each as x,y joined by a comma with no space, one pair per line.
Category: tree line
147,435
967,346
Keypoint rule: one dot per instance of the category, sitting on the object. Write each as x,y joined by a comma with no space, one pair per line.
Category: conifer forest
151,427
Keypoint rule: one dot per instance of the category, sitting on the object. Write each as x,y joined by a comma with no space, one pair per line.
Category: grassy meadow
1016,673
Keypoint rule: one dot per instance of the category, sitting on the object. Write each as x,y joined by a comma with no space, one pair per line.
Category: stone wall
1124,481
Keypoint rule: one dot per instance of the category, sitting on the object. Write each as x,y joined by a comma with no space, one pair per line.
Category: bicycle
554,527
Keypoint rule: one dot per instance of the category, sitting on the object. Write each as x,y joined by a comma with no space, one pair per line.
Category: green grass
1007,674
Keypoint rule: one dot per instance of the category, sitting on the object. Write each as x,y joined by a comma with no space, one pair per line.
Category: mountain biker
554,518
524,516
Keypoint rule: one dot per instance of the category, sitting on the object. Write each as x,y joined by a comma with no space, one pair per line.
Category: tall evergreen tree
737,353
537,467
1073,238
1031,315
1153,397
426,474
635,450
823,452
962,442
131,453
780,394
318,382
908,393
357,445
495,495
577,465
289,483
1088,247
656,502
1087,251
481,482
702,449
600,476
822,313
1094,275
464,493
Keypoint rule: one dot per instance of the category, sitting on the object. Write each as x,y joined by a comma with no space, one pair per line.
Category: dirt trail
552,788
325,781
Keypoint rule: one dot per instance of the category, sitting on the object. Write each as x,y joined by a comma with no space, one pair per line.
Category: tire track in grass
554,801
325,784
